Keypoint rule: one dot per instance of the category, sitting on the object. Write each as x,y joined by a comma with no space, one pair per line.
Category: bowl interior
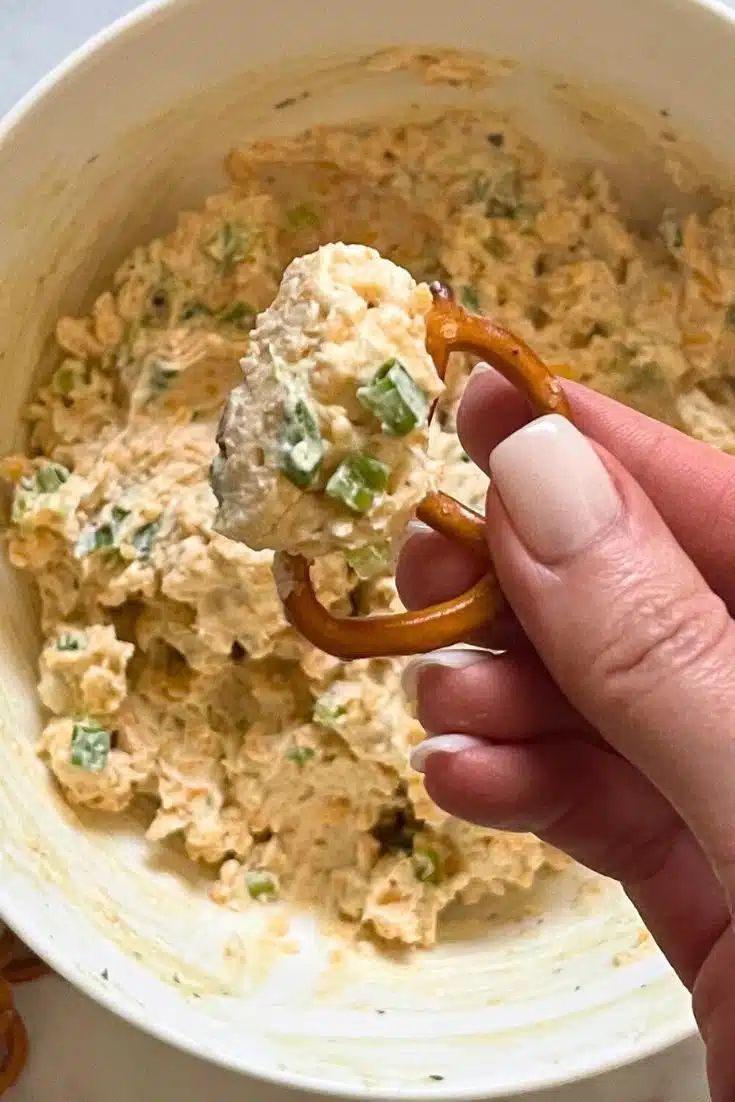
571,985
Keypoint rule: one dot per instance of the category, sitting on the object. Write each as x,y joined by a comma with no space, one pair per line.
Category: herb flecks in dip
168,671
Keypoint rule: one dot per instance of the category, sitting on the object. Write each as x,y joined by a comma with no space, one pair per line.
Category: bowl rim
31,931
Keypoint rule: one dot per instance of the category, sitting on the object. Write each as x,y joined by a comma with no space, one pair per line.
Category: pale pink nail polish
554,487
453,658
413,527
441,744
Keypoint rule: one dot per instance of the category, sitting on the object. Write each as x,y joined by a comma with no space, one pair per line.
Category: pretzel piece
17,965
449,328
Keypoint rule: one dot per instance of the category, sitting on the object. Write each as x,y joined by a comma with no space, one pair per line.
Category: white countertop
79,1052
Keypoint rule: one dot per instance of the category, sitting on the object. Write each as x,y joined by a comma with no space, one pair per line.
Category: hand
608,729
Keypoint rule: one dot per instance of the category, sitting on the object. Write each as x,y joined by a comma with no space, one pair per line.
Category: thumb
622,619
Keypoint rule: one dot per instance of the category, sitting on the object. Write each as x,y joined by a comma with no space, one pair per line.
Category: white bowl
101,156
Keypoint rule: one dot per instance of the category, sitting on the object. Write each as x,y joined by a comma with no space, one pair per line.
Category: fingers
621,618
431,568
505,698
599,809
691,484
714,1007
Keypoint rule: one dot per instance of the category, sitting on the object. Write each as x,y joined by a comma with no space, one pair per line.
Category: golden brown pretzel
17,965
449,328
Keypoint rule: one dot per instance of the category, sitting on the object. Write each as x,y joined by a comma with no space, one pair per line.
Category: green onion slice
395,399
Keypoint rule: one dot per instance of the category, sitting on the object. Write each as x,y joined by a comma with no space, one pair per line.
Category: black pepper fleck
289,101
497,139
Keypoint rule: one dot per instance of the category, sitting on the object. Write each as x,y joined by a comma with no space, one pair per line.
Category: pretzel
17,965
449,328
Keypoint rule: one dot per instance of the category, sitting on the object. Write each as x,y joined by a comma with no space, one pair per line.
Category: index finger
691,484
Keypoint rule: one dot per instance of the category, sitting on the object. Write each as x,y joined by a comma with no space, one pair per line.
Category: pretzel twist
17,965
449,328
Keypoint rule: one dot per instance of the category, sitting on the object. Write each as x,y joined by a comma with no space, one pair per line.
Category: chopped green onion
46,480
501,191
368,561
470,298
496,247
636,373
395,399
260,885
301,447
464,458
66,377
644,375
161,376
69,642
241,314
228,246
50,477
103,538
357,481
302,217
143,538
479,187
119,512
90,745
299,755
427,866
671,231
730,315
327,713
194,309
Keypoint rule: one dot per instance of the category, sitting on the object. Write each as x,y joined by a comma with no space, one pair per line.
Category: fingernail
478,370
413,528
452,658
441,744
554,487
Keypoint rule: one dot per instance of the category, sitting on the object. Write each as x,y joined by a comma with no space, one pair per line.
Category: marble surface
80,1052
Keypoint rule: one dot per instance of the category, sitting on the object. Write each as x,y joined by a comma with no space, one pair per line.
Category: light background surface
80,1052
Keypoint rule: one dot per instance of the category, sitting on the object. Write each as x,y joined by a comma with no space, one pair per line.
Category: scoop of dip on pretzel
323,445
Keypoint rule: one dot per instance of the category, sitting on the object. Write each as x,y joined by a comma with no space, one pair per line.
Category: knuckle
662,634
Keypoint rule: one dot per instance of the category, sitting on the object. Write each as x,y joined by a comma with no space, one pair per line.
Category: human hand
608,728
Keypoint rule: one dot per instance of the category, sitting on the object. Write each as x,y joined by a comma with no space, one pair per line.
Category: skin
610,733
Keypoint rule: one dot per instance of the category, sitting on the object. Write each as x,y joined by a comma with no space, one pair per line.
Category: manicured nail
451,658
441,744
413,528
554,487
478,370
